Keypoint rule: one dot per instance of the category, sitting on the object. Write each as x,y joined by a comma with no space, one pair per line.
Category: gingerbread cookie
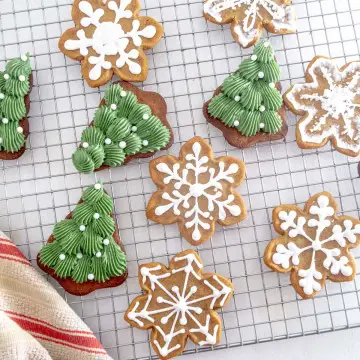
248,17
15,86
129,124
109,38
329,103
248,107
314,244
179,302
196,191
85,253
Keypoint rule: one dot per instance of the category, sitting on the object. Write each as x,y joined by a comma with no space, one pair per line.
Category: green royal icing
14,86
84,248
249,99
122,127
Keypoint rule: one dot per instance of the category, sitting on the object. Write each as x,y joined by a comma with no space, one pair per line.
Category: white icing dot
20,130
24,57
123,93
134,128
106,242
62,257
98,254
237,98
79,255
107,141
122,144
22,78
262,108
253,57
91,277
96,216
266,44
261,74
160,299
145,143
272,85
97,186
261,125
2,96
5,120
146,117
113,106
236,123
85,145
82,228
6,77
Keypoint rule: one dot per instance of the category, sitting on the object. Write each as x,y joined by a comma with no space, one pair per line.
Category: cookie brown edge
235,138
87,287
158,107
24,123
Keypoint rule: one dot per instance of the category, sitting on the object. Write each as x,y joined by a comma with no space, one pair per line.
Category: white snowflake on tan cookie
314,244
196,191
109,38
248,17
329,103
179,302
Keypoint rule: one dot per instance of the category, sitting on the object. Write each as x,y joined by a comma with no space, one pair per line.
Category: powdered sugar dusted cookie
314,244
248,17
196,191
329,103
109,37
180,302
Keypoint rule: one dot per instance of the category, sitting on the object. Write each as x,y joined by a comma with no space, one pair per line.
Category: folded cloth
35,321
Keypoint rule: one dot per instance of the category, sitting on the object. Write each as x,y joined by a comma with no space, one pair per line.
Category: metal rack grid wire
187,65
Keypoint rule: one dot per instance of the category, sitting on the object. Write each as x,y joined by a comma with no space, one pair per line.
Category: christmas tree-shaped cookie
130,123
15,87
248,107
85,253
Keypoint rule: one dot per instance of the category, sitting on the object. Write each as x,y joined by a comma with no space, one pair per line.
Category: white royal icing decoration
282,16
180,308
109,38
333,262
336,101
196,217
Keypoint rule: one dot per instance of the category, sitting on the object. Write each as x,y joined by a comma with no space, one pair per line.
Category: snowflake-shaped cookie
196,191
330,104
314,244
109,38
248,17
179,302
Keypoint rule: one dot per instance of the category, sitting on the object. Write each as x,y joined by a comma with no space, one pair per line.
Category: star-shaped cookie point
314,244
179,302
248,17
329,103
109,38
196,190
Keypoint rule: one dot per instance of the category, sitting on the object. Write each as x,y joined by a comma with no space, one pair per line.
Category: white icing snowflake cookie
248,17
179,302
196,191
329,103
314,244
109,37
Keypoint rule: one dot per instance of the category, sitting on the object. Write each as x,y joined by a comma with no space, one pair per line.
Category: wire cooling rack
186,66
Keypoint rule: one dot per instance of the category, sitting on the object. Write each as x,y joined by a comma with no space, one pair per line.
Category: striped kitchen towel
35,321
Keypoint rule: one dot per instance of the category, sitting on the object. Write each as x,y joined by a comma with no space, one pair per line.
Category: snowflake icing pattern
180,302
197,190
109,37
330,105
249,16
314,244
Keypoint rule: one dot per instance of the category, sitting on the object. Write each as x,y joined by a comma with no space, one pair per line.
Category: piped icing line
184,310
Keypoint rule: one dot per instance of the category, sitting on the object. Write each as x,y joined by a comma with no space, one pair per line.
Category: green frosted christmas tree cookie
130,123
15,87
85,253
248,107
